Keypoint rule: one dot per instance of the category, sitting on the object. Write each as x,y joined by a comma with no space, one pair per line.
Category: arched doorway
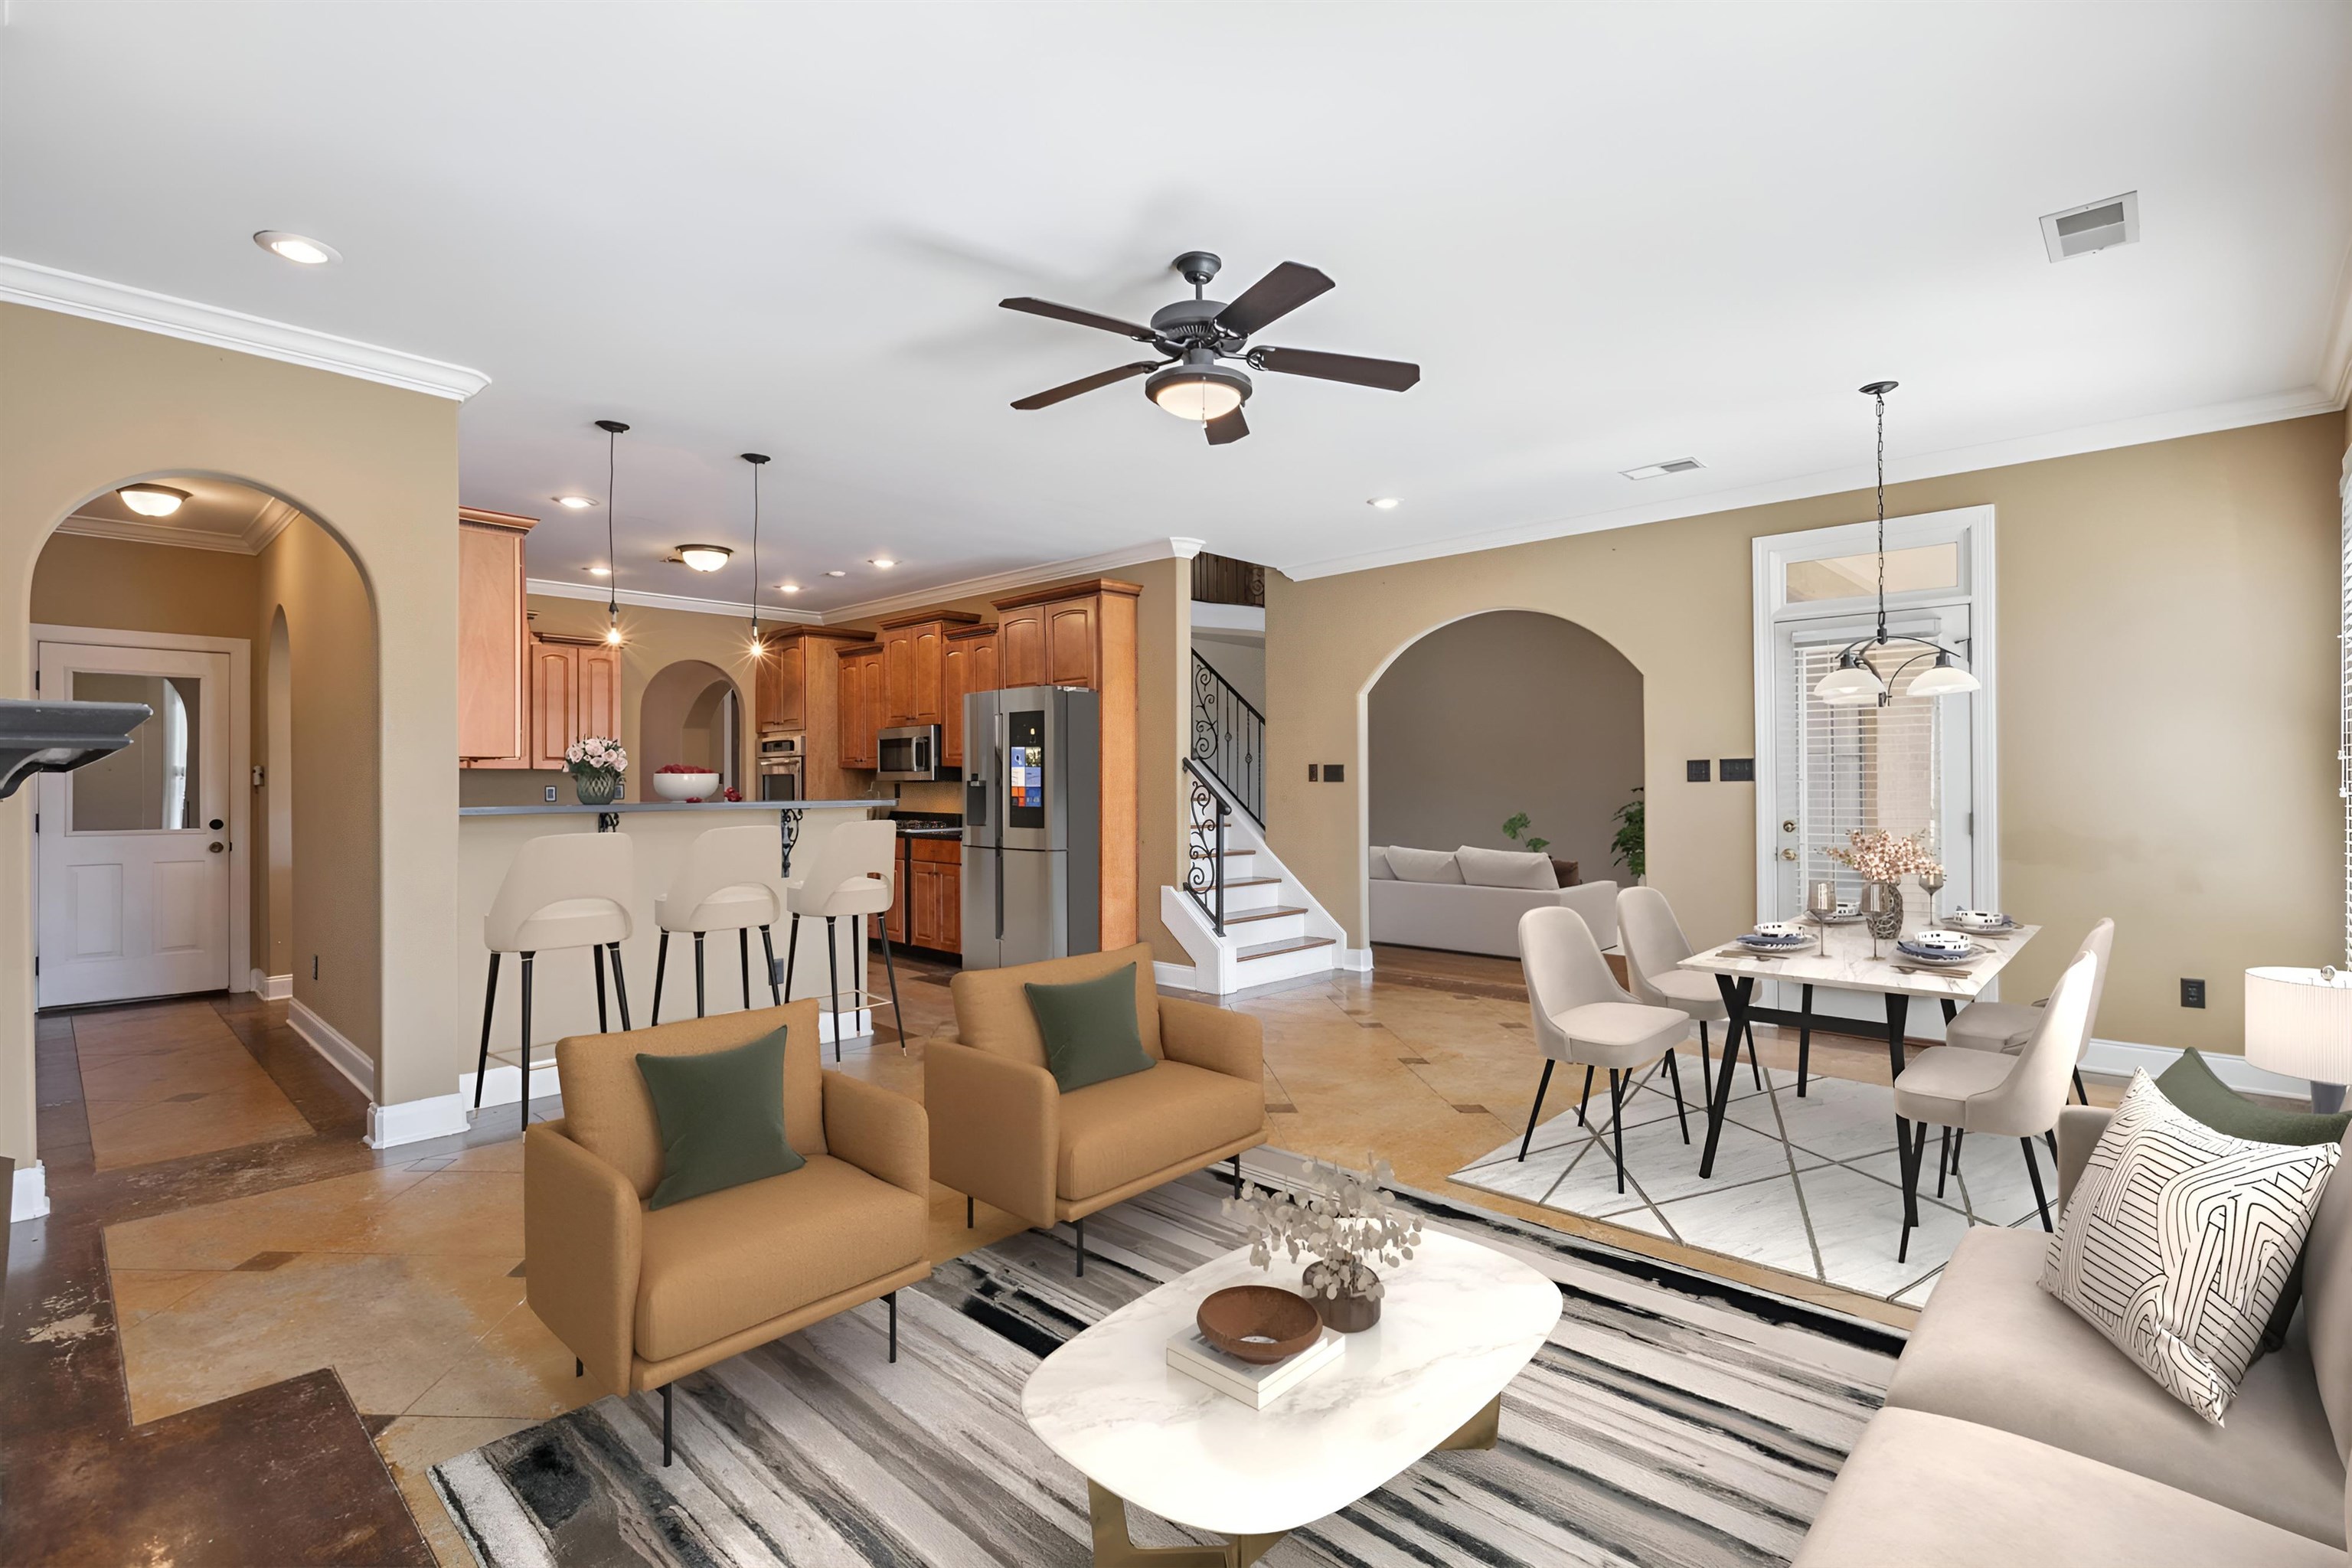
691,714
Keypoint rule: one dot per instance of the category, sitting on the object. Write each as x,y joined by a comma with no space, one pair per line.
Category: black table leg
1736,993
1898,1012
1804,1041
1951,1009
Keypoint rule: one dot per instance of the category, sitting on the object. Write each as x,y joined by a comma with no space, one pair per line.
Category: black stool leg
2080,1092
1617,1121
1804,1042
833,1001
743,951
619,986
578,1367
602,1027
898,1019
1542,1084
490,1005
1674,1071
526,1037
665,1425
661,966
1237,1176
2034,1170
698,975
768,946
893,1298
1080,1226
967,1211
792,951
1587,1099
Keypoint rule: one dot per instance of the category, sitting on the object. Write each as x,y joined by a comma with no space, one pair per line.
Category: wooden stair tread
1273,912
1276,949
1254,882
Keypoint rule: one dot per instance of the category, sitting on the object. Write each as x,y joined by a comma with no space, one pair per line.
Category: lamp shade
1850,685
2299,1023
1944,679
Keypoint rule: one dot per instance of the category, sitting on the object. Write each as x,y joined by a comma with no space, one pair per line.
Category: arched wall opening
691,714
1500,713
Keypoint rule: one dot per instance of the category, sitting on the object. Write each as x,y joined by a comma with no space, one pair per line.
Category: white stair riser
1282,967
1250,933
1265,898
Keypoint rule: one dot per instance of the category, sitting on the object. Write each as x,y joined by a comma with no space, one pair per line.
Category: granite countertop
628,805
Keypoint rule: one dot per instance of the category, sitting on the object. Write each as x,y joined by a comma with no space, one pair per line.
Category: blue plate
1935,954
1772,943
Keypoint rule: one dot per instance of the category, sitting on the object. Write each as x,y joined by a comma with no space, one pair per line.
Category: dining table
1842,957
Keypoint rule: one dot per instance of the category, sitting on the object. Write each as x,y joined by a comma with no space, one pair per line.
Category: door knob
1785,854
1788,825
215,825
215,846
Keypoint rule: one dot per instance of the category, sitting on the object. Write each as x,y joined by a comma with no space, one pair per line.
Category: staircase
1242,918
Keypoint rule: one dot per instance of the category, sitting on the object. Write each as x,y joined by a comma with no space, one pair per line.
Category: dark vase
1887,924
601,787
1348,1315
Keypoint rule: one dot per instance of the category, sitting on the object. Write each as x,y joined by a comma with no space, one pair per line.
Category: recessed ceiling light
703,557
152,501
788,587
1386,503
1671,466
597,571
573,503
882,562
837,574
297,247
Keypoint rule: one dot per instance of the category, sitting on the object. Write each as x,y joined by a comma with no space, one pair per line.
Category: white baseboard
1182,976
1358,959
2119,1058
502,1085
416,1121
329,1042
30,1199
272,987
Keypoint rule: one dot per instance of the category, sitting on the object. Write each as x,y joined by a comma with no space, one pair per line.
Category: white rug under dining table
1809,1185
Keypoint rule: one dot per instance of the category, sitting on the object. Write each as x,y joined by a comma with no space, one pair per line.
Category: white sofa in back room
1470,900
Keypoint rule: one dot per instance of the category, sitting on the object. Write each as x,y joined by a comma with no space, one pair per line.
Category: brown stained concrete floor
245,1242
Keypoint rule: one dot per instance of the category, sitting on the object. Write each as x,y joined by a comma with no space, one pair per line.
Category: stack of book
1254,1385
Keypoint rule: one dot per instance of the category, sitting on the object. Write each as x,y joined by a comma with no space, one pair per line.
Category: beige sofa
2015,1433
1463,917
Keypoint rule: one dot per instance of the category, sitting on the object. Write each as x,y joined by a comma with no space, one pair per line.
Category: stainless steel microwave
911,753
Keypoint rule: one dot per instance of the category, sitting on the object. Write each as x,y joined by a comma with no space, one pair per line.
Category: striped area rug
1673,1419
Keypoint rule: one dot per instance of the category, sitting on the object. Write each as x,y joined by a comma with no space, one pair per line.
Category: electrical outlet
1315,772
1335,773
2192,993
551,794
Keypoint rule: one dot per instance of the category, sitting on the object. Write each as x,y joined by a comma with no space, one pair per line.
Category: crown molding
271,521
2336,358
737,609
47,289
145,532
2136,432
1172,548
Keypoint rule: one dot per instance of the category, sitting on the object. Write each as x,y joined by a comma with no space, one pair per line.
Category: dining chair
2005,1027
1653,943
1583,1016
1992,1092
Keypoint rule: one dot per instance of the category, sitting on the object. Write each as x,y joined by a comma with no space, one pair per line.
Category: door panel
1021,646
600,694
1070,643
133,875
553,692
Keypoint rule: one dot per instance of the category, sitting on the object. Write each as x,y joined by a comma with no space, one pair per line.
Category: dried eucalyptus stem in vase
1341,1218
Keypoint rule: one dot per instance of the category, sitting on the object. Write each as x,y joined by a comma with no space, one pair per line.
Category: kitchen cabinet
1021,644
927,903
969,664
780,686
1055,636
575,691
494,712
802,687
861,705
914,655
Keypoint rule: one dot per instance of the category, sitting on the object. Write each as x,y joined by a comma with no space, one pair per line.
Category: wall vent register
2094,225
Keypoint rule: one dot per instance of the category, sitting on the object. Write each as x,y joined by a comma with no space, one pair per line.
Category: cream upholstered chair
566,890
2005,1027
1582,1016
730,880
852,874
644,1296
2007,1096
1653,943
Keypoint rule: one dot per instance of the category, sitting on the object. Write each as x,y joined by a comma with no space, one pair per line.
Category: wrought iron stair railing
1206,810
1229,739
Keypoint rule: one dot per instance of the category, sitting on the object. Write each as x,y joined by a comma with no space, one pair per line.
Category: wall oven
912,752
781,758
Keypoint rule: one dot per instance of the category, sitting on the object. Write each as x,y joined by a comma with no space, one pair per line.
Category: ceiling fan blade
1051,396
1072,314
1387,374
1273,297
1226,427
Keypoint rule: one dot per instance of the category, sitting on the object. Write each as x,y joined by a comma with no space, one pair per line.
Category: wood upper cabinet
779,699
914,666
1057,635
494,711
1070,654
968,666
575,691
1021,644
861,707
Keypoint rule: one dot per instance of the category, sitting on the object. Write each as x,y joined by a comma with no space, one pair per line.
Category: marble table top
1457,1323
1840,960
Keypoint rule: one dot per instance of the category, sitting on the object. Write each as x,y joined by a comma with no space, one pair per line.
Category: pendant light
758,461
1854,683
613,430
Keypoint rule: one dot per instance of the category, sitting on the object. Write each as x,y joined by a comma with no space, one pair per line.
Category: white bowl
1943,941
686,787
1781,927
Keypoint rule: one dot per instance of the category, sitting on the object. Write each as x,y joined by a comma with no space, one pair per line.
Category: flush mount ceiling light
1659,470
882,563
703,557
299,249
1386,503
837,574
788,587
597,571
573,503
152,501
1855,683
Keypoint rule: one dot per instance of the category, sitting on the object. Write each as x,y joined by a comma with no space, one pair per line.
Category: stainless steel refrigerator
1032,824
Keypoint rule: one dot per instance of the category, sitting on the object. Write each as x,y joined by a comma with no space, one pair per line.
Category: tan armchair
1003,1131
643,1296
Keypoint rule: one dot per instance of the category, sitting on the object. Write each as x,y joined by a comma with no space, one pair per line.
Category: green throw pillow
1089,1028
722,1118
2191,1087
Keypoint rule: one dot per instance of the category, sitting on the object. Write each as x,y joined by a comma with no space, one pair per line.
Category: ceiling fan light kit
1197,338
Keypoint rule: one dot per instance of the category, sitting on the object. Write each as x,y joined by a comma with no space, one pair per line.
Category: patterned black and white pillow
2177,1240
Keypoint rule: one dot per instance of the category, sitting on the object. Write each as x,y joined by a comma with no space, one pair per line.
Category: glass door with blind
1911,765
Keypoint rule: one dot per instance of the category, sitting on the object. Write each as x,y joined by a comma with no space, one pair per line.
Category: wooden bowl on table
1259,1323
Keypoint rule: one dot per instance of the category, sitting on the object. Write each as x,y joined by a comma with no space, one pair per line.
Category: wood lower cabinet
575,691
494,713
968,666
926,905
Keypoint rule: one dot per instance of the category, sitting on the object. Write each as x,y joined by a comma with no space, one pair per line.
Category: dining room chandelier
1855,683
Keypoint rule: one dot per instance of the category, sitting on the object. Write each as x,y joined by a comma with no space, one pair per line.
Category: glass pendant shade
1850,685
1204,398
1945,680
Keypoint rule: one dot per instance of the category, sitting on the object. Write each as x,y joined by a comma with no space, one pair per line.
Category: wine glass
1821,902
1933,881
1877,899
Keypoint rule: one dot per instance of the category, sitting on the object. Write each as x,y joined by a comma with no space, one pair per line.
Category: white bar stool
567,890
732,879
853,876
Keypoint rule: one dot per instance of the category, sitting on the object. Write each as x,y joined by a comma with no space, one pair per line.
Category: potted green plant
1630,848
597,763
1516,825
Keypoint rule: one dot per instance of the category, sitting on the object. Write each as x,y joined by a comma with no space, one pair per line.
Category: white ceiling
219,514
1609,234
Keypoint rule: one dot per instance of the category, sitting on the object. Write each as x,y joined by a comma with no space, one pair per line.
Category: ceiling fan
1196,335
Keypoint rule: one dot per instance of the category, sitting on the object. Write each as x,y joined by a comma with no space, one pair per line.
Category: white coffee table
1457,1325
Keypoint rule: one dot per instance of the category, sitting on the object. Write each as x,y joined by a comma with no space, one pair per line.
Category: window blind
1869,768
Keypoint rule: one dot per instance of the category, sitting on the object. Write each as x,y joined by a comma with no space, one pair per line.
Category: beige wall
2166,619
1503,713
1163,661
85,406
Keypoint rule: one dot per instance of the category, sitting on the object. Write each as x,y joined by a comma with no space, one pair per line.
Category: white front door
133,856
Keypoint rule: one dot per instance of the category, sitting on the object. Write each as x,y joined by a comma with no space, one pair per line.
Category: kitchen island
563,990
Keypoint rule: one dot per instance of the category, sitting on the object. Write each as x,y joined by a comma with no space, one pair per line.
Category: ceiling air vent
1671,466
2094,226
